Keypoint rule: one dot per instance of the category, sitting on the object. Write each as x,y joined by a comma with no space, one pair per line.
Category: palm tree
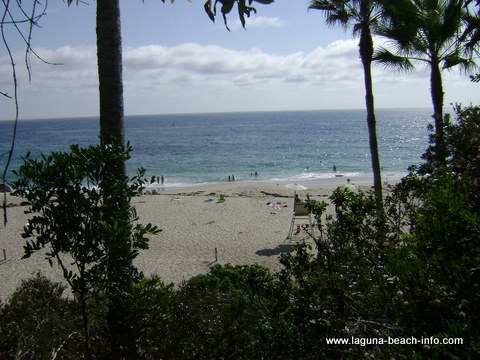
112,132
471,35
363,15
427,31
109,59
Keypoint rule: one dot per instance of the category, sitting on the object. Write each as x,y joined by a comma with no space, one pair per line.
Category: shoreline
198,230
329,180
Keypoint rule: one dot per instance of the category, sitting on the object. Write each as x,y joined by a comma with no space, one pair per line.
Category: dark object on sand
5,188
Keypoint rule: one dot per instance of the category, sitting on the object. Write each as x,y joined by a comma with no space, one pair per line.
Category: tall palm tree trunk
109,57
366,54
437,94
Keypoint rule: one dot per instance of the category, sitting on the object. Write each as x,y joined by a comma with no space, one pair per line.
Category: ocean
277,147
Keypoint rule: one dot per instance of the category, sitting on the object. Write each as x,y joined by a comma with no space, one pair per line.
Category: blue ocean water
282,147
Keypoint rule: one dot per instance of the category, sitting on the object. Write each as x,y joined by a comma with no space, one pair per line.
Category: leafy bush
82,215
463,143
336,289
436,272
76,205
220,314
151,302
435,264
38,323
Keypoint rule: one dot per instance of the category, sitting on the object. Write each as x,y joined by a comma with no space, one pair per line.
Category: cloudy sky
177,61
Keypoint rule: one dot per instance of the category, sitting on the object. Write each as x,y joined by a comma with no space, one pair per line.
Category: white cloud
258,22
263,21
192,78
208,66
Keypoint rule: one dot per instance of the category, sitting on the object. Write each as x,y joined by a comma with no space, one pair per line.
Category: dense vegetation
417,277
410,269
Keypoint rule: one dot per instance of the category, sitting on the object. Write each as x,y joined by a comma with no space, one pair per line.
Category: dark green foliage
223,314
435,267
336,288
463,146
38,323
76,203
83,217
462,149
152,300
436,270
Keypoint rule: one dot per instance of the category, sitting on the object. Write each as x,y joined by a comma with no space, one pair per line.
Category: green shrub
336,288
151,301
83,213
39,322
219,315
436,271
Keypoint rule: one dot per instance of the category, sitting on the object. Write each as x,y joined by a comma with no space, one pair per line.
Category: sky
177,61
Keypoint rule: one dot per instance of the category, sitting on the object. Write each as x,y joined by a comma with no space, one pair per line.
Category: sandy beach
198,231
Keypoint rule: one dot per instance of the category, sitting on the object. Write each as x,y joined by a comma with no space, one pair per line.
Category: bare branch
9,20
15,99
6,95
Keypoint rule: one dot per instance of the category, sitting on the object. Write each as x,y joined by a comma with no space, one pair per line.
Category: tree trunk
366,54
85,319
437,100
109,57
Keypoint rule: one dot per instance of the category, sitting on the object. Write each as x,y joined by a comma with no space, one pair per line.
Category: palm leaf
334,11
321,5
455,60
471,34
390,60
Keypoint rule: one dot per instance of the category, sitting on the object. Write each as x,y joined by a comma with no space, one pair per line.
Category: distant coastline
447,109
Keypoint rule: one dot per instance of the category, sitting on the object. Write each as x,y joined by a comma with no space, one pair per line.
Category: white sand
242,229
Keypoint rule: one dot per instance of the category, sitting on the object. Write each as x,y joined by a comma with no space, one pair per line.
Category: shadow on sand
280,249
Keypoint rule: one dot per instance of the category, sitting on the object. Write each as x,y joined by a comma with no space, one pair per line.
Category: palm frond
390,60
334,10
467,64
321,5
339,17
471,34
475,78
452,18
